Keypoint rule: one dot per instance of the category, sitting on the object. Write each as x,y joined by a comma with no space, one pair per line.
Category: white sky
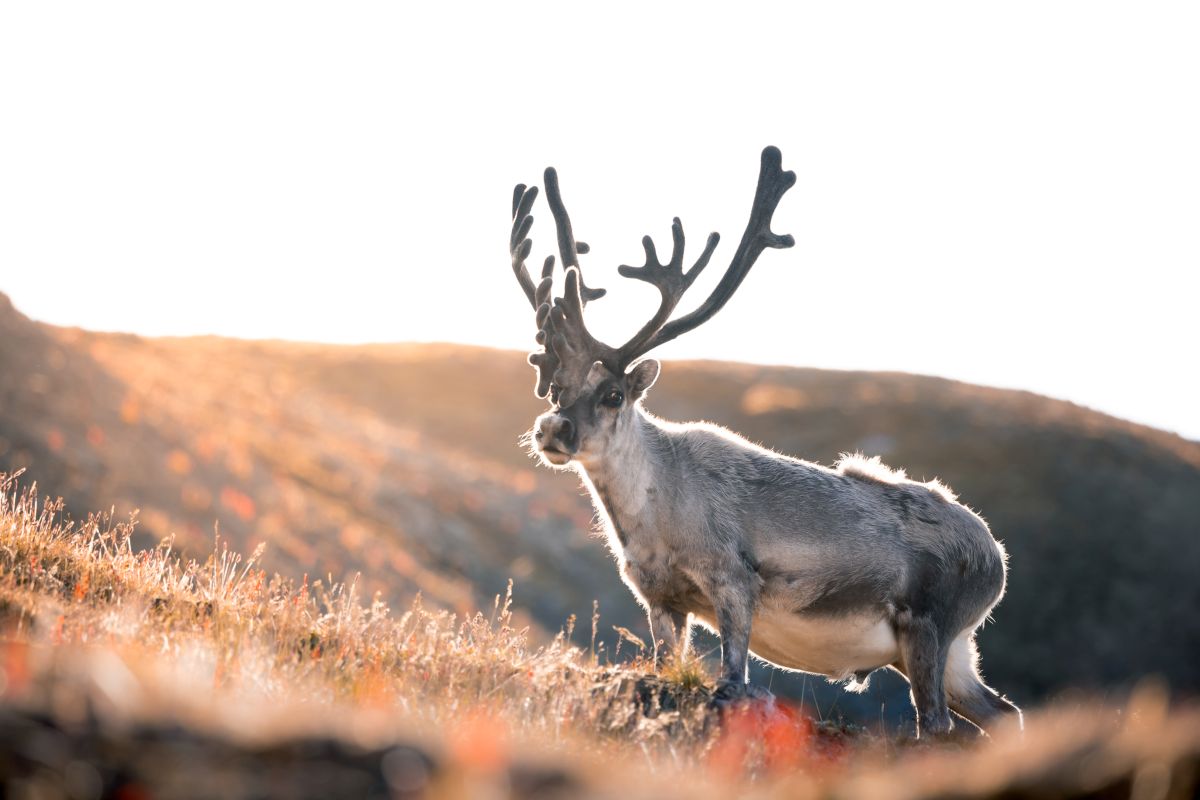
1004,193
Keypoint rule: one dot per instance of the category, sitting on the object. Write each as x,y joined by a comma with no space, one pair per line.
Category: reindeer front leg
732,597
670,632
733,623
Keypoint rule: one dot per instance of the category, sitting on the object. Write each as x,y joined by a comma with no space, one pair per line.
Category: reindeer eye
613,399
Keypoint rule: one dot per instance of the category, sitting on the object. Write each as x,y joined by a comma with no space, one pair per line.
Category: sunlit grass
233,627
92,625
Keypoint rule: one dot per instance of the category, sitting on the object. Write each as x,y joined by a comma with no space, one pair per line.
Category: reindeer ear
642,376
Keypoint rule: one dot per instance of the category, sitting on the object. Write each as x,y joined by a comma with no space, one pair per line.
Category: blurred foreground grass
135,674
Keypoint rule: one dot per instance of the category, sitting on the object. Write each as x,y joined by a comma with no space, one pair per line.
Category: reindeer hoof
735,694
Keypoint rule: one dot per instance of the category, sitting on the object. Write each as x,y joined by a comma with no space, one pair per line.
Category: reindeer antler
671,281
519,243
548,361
567,246
566,336
569,350
773,182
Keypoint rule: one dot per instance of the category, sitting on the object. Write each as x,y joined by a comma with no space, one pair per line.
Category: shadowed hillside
401,462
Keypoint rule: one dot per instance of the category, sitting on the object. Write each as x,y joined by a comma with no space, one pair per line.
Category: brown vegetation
134,673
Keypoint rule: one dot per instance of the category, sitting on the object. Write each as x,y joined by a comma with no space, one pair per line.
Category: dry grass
200,639
153,670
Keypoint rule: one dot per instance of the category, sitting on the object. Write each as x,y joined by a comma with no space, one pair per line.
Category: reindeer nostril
539,434
566,431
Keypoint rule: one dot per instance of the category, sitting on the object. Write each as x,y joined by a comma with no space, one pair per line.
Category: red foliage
779,737
238,502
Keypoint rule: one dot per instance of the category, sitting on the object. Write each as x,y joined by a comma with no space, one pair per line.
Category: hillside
401,462
131,673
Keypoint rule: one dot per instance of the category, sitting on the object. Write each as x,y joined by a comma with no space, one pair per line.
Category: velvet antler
569,350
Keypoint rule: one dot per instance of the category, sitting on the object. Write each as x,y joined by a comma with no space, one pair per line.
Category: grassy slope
400,462
133,673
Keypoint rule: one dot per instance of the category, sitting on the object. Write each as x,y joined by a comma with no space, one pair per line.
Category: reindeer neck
626,479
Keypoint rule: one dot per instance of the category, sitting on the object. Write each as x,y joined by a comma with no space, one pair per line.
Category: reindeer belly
833,645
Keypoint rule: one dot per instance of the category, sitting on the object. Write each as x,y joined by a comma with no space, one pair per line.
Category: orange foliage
402,562
352,536
16,667
206,447
239,462
481,743
238,502
131,409
95,435
195,496
524,482
81,588
780,737
179,462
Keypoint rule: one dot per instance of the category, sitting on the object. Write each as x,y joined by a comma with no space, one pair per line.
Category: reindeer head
593,387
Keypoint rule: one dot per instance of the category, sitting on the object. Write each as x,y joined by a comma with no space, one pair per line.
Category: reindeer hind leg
968,695
923,653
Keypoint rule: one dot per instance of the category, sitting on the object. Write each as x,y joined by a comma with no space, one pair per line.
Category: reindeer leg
967,694
923,653
733,600
669,629
733,623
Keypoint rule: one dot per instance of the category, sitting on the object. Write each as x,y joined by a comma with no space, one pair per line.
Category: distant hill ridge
401,462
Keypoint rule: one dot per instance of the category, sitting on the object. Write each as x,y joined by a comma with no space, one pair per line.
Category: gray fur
807,567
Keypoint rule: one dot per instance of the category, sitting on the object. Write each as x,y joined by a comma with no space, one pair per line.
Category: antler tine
570,349
669,278
541,297
545,361
568,248
519,246
566,317
561,332
773,182
519,243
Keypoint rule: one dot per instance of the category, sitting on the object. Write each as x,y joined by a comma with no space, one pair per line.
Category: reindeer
831,571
